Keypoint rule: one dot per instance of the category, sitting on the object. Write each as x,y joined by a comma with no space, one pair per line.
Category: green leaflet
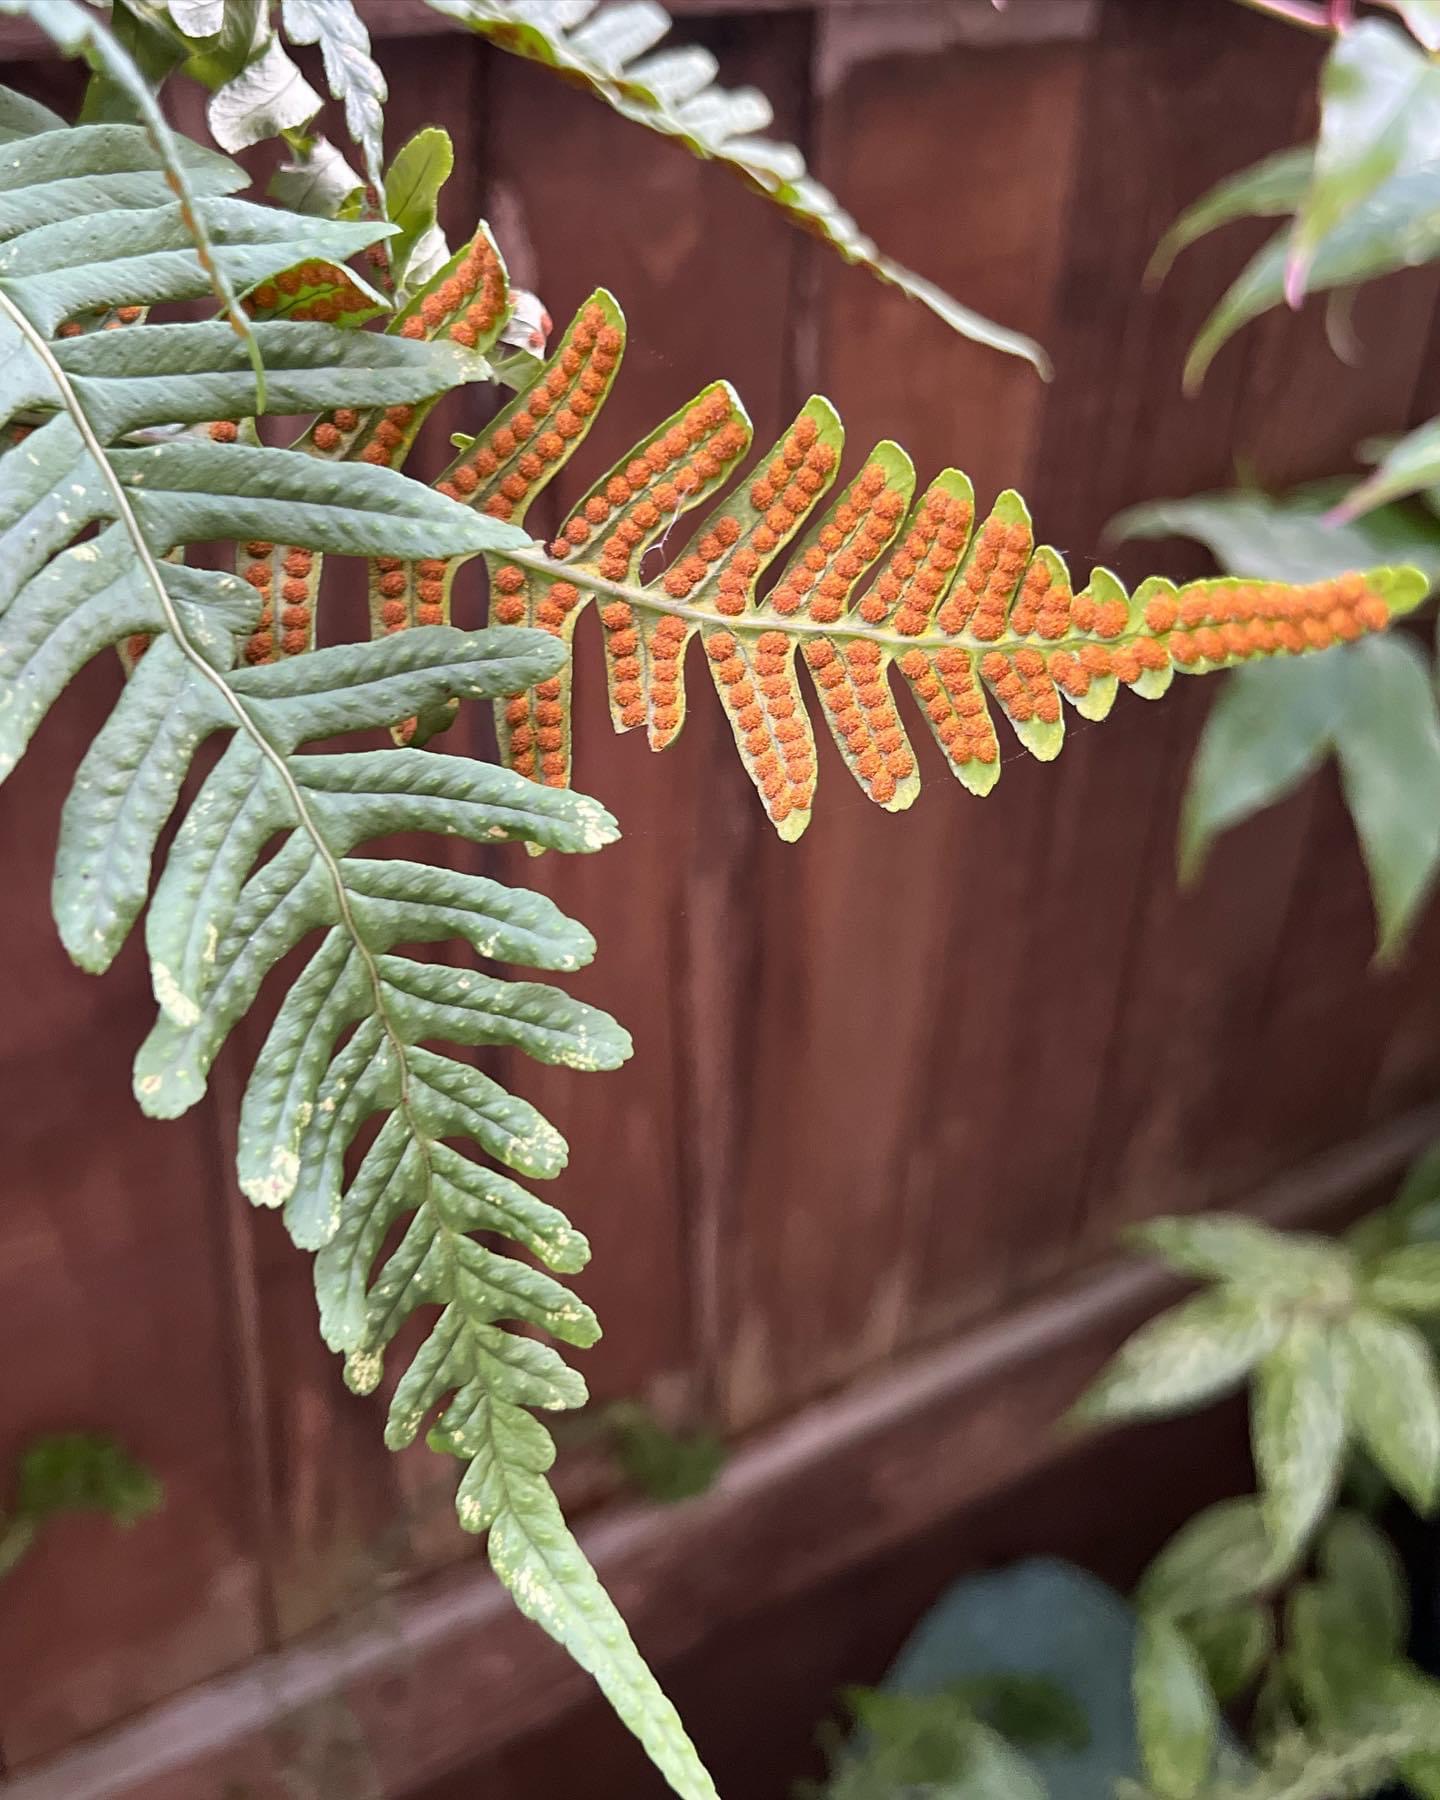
122,258
348,1040
195,373
1188,1356
612,52
1298,1431
1175,1712
1379,116
421,168
22,117
1395,1401
80,32
1268,189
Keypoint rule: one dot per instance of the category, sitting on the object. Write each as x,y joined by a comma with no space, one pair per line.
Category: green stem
844,630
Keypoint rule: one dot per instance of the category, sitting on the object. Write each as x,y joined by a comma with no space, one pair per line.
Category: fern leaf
611,51
78,31
351,72
351,1037
973,615
22,117
461,309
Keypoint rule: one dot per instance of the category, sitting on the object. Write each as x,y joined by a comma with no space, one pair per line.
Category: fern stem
845,630
125,513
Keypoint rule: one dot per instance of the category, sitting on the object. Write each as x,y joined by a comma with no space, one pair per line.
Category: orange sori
730,554
1021,684
855,531
862,714
945,685
981,597
659,480
760,693
504,467
467,304
920,567
1042,606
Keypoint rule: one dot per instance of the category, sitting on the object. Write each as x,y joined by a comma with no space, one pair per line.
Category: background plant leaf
1221,1556
1379,116
1175,1712
1187,1356
1232,1644
1297,1429
1372,706
1387,740
1395,1401
1271,188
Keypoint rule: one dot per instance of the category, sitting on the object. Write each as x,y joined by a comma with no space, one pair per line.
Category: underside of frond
973,615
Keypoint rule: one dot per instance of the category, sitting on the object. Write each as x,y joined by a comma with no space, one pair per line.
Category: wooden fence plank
1248,1017
1075,860
113,1313
867,913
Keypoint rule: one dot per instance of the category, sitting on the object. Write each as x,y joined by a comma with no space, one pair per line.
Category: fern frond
611,51
257,92
351,72
974,615
464,305
78,31
351,1038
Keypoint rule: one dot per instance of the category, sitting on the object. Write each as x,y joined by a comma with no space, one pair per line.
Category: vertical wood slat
113,1302
1217,1071
703,276
836,1153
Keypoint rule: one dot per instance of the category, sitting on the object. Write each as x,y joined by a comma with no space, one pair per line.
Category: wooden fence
895,1088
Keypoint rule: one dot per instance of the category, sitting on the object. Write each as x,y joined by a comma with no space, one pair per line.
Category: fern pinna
974,616
118,448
